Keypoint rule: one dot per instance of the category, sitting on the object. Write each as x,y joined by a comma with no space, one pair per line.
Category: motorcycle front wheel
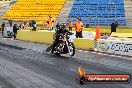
71,49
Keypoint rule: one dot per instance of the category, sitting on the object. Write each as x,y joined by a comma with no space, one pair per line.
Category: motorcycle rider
62,30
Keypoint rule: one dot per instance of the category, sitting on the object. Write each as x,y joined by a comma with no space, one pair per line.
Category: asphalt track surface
22,68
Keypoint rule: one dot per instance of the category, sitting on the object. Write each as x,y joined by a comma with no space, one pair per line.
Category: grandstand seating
38,10
128,12
4,4
101,12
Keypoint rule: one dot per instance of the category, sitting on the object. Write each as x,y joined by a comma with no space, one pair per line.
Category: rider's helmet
63,26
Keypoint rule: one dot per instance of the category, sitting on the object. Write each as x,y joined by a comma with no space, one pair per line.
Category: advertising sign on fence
115,47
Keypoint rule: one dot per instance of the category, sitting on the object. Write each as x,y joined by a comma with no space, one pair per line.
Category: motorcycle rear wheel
49,49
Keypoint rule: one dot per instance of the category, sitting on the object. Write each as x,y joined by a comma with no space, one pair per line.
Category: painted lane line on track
105,54
131,58
99,53
86,51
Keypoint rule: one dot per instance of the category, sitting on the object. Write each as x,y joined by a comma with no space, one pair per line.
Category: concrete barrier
37,36
84,44
125,35
30,28
124,31
46,37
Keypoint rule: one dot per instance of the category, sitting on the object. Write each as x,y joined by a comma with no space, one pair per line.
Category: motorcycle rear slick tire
57,54
49,49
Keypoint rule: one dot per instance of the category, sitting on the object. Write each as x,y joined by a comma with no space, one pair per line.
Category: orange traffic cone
97,36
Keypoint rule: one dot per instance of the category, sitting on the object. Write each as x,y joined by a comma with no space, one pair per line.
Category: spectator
32,21
34,25
78,27
15,28
10,22
25,26
70,26
3,26
30,24
50,23
114,25
22,26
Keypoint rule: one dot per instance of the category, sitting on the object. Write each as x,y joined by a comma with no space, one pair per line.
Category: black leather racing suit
57,36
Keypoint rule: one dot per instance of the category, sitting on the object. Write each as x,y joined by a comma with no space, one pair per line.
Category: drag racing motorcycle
64,46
